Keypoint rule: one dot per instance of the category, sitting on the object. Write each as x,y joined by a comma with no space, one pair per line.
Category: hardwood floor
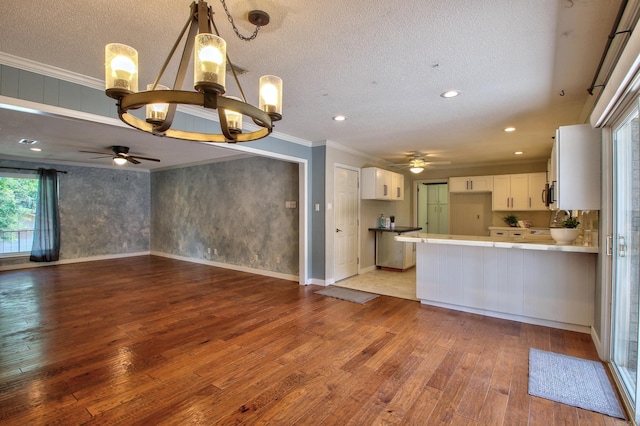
149,340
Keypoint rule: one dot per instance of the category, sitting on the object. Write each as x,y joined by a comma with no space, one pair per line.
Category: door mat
347,294
573,381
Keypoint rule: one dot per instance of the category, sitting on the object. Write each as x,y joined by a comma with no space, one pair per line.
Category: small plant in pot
568,233
511,220
570,223
393,222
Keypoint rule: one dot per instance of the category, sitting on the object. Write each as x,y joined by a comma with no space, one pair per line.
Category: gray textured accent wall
102,211
236,208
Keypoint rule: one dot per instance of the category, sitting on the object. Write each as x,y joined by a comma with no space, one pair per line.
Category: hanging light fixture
210,63
416,165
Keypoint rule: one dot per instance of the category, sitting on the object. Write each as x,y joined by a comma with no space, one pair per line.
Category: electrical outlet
255,257
215,251
209,250
277,259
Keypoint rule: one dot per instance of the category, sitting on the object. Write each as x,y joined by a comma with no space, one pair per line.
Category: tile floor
388,283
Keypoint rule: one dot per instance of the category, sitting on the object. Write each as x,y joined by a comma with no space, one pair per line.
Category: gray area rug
348,294
573,381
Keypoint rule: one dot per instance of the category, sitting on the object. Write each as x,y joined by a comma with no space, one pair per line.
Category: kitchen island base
553,288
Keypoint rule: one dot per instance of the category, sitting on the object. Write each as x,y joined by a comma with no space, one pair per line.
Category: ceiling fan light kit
210,62
121,156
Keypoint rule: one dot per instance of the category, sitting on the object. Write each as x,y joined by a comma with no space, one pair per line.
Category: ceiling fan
418,162
120,155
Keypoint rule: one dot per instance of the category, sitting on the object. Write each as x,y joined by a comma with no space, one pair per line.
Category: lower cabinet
394,254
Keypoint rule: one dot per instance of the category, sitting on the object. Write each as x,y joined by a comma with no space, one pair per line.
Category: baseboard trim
69,261
240,268
520,318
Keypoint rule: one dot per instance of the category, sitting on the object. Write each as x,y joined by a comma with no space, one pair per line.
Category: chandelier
210,62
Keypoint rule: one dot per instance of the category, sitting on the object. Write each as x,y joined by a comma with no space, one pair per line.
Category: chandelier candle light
209,66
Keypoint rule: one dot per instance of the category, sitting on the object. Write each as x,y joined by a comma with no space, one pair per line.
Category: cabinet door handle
385,189
467,185
529,202
471,185
338,230
507,201
609,245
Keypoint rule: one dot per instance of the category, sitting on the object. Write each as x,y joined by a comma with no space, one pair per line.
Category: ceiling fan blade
98,152
131,159
143,158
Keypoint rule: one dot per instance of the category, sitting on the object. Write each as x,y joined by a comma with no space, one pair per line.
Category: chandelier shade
210,61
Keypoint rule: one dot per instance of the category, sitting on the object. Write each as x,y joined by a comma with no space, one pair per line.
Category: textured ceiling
518,63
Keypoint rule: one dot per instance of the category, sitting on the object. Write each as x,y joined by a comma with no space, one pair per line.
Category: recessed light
339,118
35,149
510,129
450,94
518,153
27,141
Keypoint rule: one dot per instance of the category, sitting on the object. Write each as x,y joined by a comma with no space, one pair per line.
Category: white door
626,257
346,221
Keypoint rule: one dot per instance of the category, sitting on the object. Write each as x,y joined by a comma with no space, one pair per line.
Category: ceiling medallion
210,61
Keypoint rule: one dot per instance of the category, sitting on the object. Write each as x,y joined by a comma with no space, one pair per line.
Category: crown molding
343,148
94,83
50,71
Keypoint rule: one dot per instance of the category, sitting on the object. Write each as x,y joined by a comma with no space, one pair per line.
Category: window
18,195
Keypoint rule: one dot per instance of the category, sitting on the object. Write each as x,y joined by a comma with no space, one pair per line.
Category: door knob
338,230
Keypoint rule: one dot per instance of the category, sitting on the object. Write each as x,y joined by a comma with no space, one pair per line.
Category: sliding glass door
626,257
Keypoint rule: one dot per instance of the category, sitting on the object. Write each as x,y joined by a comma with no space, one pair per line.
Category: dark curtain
46,234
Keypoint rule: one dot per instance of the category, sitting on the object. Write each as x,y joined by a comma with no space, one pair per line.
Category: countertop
527,242
397,229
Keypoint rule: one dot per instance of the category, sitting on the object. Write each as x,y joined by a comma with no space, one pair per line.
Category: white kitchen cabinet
511,192
471,184
392,254
537,182
397,186
575,168
519,192
515,232
380,184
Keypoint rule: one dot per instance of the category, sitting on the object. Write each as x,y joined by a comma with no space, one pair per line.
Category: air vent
27,141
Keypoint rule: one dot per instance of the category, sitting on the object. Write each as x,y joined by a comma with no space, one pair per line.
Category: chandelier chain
240,36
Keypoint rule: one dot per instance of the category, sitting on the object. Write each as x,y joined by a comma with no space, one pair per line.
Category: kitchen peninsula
528,280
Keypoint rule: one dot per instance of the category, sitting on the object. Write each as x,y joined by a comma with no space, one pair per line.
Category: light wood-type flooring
149,340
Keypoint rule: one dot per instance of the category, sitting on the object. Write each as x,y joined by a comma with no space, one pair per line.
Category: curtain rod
25,168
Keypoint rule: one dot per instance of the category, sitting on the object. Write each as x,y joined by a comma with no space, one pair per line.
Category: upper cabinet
471,184
574,173
520,192
511,192
380,184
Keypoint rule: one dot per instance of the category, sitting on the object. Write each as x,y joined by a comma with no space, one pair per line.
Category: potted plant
511,220
393,222
571,223
568,233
